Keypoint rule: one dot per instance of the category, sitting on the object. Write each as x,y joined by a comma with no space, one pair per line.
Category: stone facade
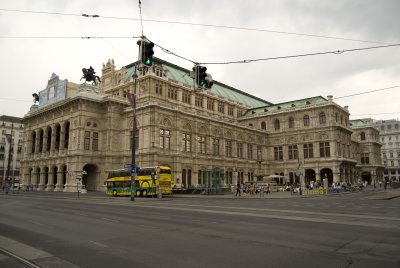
390,139
221,135
11,143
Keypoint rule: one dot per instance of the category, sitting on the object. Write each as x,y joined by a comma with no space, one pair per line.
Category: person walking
237,189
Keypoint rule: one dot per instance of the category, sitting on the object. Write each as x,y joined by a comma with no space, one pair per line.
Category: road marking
295,212
81,214
98,244
35,222
109,219
289,217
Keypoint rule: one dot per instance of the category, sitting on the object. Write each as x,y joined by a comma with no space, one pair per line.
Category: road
59,230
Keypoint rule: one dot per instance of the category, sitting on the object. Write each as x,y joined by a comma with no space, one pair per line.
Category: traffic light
200,75
146,52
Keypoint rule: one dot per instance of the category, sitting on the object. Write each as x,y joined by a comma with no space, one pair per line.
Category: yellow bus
147,182
162,177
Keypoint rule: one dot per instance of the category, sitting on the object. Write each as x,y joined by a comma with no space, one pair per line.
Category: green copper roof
287,105
182,75
358,123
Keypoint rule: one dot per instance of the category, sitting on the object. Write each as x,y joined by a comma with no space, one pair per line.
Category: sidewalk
377,194
273,195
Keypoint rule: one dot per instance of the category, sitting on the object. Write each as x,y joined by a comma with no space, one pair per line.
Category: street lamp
79,179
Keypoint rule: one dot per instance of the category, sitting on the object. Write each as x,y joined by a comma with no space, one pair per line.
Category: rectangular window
228,148
308,150
240,150
199,101
210,104
221,108
324,149
364,158
158,89
202,144
230,110
95,144
187,142
292,152
172,93
250,151
165,139
278,153
215,145
86,142
186,97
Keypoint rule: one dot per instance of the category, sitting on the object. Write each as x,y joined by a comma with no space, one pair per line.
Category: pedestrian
252,189
237,189
380,183
268,189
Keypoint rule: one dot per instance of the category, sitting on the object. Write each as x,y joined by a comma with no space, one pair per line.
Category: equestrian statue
89,76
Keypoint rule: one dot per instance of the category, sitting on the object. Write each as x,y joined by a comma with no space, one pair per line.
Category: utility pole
9,139
132,100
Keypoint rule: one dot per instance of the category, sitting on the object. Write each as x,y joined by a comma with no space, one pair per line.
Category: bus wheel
144,193
137,193
115,193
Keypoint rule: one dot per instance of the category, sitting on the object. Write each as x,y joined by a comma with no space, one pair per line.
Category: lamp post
132,100
79,181
299,173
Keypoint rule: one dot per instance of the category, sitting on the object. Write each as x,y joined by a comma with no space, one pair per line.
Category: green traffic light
148,61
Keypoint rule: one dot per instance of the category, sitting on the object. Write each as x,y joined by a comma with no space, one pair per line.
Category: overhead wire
366,92
167,51
194,24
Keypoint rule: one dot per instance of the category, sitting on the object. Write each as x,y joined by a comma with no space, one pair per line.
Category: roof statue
35,98
89,76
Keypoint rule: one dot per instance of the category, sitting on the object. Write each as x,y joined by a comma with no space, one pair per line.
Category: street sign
135,169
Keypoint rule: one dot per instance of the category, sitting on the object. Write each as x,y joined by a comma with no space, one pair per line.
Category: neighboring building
390,139
11,143
209,138
369,160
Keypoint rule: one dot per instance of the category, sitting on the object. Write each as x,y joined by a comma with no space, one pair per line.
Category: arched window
362,136
277,125
306,120
33,135
322,118
291,122
263,125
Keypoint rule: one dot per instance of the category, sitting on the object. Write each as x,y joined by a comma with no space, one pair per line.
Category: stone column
37,144
62,139
42,185
60,176
34,178
50,184
45,144
53,141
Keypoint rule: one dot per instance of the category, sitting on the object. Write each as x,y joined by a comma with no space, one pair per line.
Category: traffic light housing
209,81
146,52
200,75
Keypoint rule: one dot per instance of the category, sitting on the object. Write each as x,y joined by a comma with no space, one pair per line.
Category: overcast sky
272,28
